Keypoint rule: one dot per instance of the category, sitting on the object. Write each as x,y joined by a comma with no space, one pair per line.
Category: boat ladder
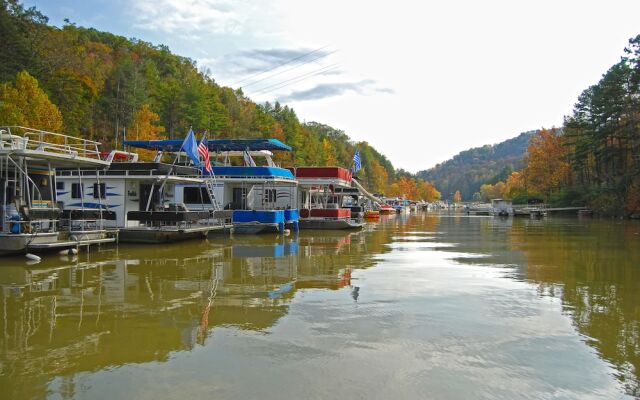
209,183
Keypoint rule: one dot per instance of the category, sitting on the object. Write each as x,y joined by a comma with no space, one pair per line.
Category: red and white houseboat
321,198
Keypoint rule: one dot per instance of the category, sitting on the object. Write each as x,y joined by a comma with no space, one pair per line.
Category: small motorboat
372,214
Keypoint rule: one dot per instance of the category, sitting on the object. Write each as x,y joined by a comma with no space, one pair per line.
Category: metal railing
23,138
31,226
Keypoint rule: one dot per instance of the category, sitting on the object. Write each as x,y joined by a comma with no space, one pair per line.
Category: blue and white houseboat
141,197
248,188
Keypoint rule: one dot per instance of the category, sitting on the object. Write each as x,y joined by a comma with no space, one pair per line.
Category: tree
516,186
489,192
457,197
24,103
143,127
547,166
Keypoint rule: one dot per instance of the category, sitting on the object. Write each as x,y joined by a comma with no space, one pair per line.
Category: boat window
99,191
76,191
270,195
195,195
60,185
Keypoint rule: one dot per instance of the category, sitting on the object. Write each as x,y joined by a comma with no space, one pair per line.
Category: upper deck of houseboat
228,149
320,176
49,149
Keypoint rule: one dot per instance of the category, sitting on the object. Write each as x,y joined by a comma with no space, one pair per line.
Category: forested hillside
470,169
594,160
97,85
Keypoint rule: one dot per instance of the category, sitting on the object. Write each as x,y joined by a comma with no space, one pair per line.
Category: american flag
203,150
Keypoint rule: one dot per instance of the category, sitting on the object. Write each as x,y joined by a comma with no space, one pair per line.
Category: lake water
438,306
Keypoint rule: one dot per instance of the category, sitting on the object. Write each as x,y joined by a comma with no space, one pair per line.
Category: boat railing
23,138
30,226
260,177
26,175
110,172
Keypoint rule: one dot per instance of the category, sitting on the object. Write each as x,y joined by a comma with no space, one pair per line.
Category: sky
418,80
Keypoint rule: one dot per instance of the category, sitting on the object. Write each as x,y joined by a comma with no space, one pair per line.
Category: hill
469,169
101,84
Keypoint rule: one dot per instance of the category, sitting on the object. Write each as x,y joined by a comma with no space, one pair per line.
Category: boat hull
329,224
165,235
252,228
50,241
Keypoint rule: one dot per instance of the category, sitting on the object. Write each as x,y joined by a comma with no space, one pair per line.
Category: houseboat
141,196
321,196
252,192
31,218
501,207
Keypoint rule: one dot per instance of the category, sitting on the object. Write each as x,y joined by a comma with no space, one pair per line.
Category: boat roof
320,176
247,173
216,145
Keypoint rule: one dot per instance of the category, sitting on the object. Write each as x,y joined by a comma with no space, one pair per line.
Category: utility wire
306,75
299,78
278,66
288,69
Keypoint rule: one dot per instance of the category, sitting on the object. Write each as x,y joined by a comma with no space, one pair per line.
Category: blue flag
357,165
190,146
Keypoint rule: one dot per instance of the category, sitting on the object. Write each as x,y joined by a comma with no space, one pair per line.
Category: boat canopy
251,172
215,145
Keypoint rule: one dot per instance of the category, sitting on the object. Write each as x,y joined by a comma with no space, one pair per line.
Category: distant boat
386,209
501,207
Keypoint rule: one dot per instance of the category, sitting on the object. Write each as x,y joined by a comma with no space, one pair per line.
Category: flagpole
166,178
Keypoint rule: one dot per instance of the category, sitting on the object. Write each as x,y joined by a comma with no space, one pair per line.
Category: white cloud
188,17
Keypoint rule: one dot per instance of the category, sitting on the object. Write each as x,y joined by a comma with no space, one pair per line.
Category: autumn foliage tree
547,166
495,191
24,103
143,127
457,197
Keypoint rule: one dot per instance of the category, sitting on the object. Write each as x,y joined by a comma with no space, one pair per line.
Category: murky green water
427,306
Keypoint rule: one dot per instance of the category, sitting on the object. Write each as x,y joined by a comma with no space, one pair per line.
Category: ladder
209,183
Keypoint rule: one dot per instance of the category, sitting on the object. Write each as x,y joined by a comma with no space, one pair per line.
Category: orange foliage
547,168
414,189
143,128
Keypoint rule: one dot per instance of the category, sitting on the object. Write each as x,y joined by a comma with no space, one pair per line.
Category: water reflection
141,304
150,306
592,266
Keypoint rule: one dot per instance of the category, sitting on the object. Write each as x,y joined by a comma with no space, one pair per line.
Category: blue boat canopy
215,145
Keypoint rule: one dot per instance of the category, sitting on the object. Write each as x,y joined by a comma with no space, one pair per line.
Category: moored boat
141,197
321,193
30,215
247,188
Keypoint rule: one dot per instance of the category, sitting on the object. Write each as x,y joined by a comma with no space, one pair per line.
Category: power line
299,78
289,69
279,65
306,75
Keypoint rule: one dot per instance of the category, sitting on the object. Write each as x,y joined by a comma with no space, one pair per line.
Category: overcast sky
419,80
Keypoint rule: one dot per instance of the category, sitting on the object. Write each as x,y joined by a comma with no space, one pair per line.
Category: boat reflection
140,304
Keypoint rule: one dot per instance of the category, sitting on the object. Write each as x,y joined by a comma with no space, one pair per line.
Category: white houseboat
142,198
30,216
501,207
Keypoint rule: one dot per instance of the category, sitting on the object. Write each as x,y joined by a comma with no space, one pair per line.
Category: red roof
323,172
